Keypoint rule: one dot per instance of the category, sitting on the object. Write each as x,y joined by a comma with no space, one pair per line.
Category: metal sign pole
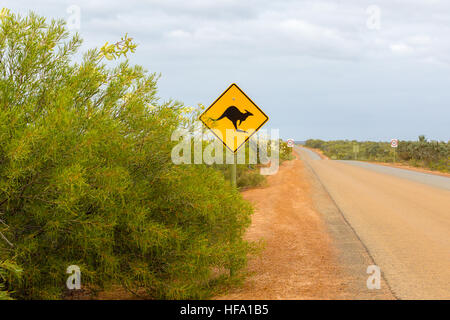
233,171
394,145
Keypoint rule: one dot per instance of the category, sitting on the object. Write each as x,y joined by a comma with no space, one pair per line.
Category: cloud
401,48
320,28
310,57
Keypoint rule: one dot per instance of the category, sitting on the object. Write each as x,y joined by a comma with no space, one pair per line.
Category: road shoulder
353,256
310,252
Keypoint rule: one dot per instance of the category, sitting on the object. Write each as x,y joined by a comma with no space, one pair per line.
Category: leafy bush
86,177
247,175
285,151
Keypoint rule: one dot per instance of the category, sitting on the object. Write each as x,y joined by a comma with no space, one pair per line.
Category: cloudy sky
325,69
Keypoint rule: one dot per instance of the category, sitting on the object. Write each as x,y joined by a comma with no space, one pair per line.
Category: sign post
356,150
394,145
233,171
236,114
290,143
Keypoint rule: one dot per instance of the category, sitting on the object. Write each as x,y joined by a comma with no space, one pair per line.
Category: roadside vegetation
8,271
86,177
247,175
422,153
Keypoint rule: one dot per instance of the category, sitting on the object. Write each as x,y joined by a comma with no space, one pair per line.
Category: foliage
285,151
118,49
247,174
86,176
8,271
434,155
422,153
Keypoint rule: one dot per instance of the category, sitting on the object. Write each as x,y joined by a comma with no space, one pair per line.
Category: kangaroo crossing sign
233,118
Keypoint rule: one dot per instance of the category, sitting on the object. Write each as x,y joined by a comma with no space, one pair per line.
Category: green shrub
247,175
86,176
8,271
285,151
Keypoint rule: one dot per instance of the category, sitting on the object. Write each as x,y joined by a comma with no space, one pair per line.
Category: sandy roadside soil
309,251
299,260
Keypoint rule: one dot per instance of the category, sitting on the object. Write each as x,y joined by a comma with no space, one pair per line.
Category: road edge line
369,254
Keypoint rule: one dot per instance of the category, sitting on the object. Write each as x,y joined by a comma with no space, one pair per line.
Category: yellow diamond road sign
233,118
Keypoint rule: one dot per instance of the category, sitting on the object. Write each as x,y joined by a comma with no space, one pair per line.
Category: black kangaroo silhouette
234,115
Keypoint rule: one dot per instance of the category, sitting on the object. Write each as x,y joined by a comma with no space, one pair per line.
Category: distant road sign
290,143
236,113
394,143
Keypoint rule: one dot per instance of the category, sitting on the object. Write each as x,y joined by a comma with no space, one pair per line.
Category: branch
7,241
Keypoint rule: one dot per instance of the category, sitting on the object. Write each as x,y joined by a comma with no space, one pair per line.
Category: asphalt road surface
401,216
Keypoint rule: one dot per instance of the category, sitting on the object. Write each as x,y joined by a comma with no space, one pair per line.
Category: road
301,259
402,217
